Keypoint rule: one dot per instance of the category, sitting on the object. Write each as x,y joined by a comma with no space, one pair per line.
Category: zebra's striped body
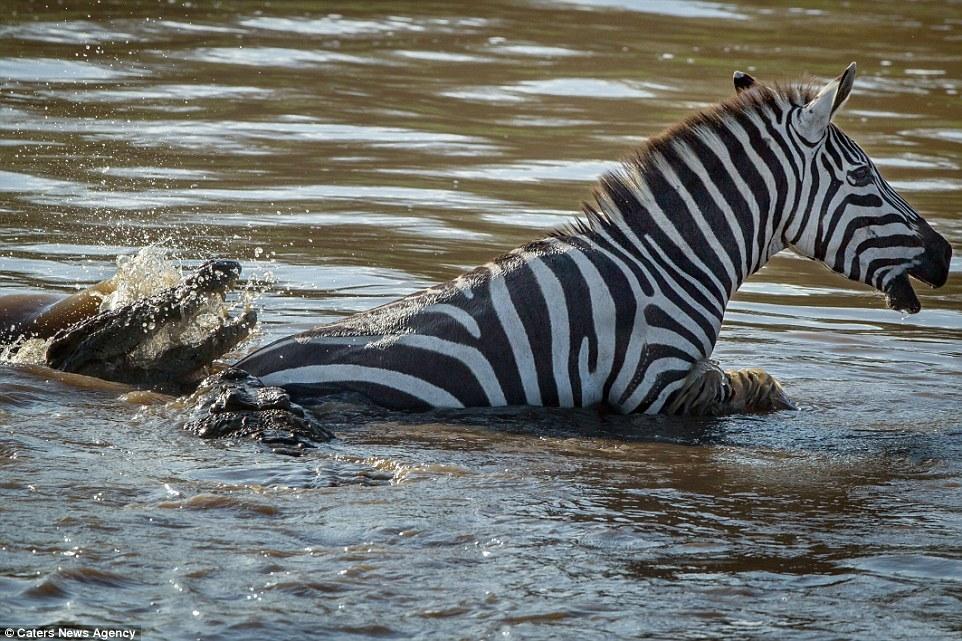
542,325
619,308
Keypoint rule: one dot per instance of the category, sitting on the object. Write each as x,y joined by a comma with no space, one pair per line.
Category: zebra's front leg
710,391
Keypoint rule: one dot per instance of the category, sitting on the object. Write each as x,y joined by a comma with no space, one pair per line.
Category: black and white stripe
618,308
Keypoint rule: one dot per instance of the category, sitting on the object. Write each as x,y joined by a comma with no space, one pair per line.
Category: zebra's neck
709,200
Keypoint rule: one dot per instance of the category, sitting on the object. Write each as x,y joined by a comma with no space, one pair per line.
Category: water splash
153,269
31,351
141,275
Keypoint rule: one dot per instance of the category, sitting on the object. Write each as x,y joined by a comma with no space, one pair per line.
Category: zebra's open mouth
901,297
931,268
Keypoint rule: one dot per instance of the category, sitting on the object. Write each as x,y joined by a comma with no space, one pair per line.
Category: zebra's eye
860,176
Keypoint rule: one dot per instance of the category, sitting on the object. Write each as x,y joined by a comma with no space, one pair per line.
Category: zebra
624,307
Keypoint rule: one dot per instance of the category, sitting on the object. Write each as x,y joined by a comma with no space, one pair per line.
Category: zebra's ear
742,81
815,116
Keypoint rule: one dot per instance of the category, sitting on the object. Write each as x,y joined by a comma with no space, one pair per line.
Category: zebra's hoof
755,391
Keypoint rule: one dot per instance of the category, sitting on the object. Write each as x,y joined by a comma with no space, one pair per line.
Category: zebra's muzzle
932,269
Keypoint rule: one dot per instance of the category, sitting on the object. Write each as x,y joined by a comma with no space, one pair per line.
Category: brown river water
354,153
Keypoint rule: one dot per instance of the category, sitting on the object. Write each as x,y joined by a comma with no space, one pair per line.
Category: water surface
362,152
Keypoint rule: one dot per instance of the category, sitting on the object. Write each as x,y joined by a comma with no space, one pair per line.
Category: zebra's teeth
901,297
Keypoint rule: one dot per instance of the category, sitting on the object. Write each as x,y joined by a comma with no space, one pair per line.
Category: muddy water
358,153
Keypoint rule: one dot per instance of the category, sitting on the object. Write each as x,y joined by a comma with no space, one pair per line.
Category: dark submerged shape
232,403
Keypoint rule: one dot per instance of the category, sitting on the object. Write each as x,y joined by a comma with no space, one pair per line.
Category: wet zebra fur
624,308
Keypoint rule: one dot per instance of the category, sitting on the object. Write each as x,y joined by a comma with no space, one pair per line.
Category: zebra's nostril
933,270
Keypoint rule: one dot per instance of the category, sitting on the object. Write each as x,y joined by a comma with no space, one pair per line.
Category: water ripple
561,87
674,8
273,57
337,25
56,70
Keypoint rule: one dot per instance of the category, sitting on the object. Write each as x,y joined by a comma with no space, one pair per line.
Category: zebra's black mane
612,183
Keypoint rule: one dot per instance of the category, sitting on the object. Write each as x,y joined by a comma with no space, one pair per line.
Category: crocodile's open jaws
157,342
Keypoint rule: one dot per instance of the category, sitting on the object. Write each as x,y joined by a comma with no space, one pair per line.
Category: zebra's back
555,323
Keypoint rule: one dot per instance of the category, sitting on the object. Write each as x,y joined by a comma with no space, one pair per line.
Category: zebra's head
849,217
